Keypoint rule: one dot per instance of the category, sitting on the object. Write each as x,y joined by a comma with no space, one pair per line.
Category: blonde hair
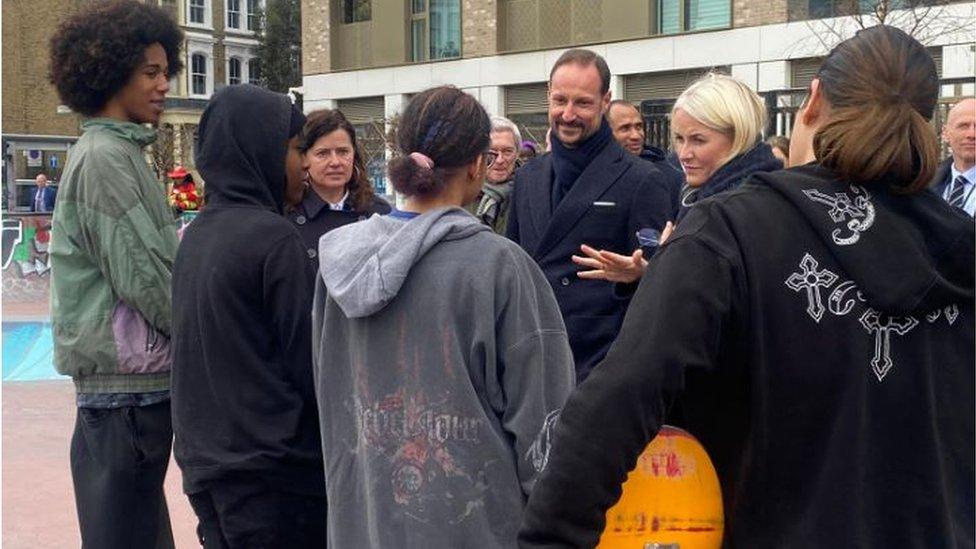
727,105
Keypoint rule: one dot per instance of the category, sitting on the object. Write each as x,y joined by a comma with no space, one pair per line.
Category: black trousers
119,458
243,514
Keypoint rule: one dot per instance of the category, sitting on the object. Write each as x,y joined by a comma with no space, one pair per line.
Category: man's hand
610,266
615,267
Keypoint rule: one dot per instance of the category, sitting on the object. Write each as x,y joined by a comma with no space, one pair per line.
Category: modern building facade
367,57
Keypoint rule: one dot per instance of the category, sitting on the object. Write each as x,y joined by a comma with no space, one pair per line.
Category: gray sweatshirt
441,364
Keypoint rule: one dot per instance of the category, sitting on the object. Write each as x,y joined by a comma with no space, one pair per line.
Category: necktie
39,201
957,196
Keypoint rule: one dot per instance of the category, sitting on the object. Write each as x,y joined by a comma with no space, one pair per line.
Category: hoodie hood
242,147
907,254
365,264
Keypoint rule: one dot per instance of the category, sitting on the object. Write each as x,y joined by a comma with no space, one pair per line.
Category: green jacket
113,243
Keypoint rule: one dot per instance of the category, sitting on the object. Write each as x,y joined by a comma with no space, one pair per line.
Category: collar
313,203
969,174
139,134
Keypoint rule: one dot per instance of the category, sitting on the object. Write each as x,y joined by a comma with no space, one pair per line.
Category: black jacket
313,218
825,349
243,401
615,196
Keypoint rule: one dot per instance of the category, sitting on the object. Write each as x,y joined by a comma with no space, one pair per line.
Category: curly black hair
95,52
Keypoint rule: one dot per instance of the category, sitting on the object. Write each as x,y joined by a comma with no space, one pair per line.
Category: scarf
757,159
493,198
569,163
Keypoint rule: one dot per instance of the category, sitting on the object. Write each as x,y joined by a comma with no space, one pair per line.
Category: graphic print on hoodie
820,338
243,401
441,364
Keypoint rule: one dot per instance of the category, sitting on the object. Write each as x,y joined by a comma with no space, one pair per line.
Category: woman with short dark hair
339,191
441,357
818,325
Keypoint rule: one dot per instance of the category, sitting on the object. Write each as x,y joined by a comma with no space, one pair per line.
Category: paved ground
38,500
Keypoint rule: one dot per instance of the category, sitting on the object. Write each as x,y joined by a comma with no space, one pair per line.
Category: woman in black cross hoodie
819,323
244,415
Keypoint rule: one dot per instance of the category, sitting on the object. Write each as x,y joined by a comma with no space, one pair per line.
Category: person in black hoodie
244,414
819,323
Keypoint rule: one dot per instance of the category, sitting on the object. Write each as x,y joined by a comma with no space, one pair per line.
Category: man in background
43,196
956,178
628,129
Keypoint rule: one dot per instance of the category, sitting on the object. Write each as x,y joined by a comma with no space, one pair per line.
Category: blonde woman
716,132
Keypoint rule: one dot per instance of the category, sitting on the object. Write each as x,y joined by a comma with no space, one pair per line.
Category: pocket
601,225
93,417
141,349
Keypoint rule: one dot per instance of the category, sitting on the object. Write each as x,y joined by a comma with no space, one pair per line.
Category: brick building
38,131
367,57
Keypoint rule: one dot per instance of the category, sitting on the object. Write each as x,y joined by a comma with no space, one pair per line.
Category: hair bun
409,177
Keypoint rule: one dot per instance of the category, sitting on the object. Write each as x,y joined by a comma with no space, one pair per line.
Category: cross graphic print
860,210
882,325
811,280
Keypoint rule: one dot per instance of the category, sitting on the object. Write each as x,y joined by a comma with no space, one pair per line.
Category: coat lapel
539,189
599,176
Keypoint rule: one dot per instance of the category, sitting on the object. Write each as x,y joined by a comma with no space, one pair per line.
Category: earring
306,179
355,171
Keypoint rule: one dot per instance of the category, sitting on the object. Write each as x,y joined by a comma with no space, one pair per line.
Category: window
198,74
234,14
835,8
354,11
253,15
198,11
253,71
233,71
435,29
676,16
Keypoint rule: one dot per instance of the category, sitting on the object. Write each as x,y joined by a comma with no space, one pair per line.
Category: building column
774,75
748,73
616,86
493,100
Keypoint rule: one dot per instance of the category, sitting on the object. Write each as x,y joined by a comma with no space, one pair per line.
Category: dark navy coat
943,176
615,196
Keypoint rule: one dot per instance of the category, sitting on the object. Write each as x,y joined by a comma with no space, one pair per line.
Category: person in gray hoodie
440,358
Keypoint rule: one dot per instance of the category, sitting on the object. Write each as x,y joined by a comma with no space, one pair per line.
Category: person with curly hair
111,268
338,192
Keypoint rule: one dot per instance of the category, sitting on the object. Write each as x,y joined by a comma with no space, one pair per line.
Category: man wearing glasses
491,207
